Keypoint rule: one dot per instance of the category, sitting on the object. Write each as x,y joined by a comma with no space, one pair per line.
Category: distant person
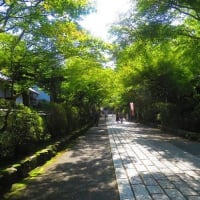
121,117
96,118
105,114
117,117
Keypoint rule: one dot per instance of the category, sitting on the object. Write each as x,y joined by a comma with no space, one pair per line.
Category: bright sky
108,11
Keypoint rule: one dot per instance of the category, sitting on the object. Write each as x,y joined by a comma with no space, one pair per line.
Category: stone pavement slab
125,161
149,164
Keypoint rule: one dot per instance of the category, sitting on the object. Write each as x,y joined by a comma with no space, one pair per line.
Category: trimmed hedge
24,129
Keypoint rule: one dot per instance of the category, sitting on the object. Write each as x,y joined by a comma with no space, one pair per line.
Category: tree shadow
166,147
158,186
84,172
136,181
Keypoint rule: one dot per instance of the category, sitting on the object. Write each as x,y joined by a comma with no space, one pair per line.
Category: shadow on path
84,172
150,166
167,146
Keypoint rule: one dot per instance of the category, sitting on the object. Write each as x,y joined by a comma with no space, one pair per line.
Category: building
31,97
4,86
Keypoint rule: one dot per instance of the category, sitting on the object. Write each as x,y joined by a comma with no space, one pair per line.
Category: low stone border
193,136
19,171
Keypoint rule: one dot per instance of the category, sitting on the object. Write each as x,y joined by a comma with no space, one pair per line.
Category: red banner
132,108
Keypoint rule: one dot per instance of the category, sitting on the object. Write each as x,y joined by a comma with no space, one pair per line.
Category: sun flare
108,11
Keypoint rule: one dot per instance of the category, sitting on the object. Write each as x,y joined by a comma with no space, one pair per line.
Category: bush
150,113
192,119
25,124
57,122
4,105
168,114
24,128
63,118
73,117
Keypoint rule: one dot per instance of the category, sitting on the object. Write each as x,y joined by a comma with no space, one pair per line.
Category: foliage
15,63
158,63
42,43
73,116
25,127
4,103
63,118
87,84
57,122
168,10
37,50
29,14
4,110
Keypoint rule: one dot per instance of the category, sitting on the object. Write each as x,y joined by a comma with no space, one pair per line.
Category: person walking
96,118
105,115
121,117
117,116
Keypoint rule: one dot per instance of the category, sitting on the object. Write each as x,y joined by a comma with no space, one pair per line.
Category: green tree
15,64
39,26
87,82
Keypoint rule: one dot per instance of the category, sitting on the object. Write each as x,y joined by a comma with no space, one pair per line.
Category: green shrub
168,114
150,113
63,118
192,119
4,104
24,129
26,124
57,122
164,113
73,117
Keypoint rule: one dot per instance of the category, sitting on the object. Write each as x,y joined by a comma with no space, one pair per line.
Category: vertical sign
132,108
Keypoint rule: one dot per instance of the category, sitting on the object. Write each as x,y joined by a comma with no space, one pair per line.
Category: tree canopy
156,52
42,43
157,58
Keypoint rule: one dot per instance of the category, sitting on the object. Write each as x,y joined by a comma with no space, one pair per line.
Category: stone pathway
149,167
83,172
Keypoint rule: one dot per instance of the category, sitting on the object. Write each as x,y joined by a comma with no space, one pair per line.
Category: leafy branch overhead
40,37
157,51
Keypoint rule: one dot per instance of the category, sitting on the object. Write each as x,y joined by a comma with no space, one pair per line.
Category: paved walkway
147,166
83,172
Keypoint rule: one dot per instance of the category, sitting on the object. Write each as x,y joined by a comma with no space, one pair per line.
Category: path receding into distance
117,161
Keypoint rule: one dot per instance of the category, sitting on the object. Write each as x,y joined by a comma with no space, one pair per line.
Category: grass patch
16,190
